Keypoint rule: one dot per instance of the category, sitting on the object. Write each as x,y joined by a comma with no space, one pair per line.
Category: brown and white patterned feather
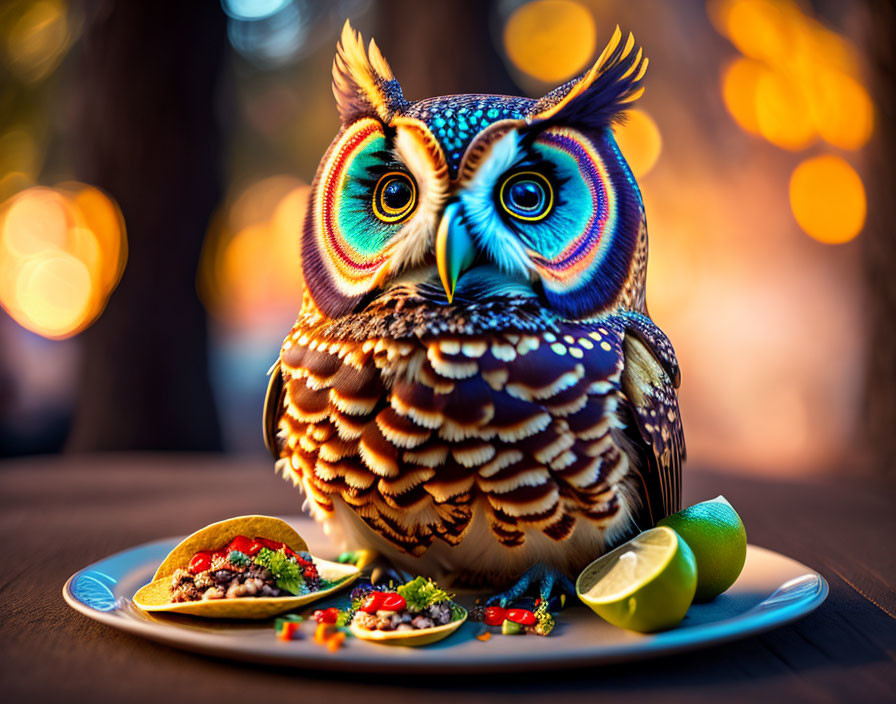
459,448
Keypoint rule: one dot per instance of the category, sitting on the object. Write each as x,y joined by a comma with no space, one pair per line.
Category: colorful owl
473,387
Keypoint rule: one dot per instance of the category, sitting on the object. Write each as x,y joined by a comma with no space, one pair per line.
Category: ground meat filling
407,620
226,580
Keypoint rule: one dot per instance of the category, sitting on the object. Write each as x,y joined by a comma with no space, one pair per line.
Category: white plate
773,590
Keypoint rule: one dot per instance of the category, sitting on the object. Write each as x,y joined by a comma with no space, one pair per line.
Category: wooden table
59,514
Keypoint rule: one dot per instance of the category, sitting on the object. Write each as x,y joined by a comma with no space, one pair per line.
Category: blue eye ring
392,213
527,214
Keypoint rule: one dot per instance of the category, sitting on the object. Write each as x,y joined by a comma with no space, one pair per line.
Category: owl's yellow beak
455,251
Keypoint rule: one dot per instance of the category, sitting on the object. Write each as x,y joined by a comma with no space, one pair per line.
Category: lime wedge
646,584
716,534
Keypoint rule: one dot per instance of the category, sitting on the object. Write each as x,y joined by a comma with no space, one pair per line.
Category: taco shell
156,595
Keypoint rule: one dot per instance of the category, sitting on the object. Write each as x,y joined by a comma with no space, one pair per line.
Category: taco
244,567
416,613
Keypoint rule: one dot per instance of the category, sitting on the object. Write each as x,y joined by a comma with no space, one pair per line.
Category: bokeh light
841,109
250,270
640,141
38,39
760,29
253,9
550,40
270,34
796,81
62,252
782,112
54,292
740,80
828,199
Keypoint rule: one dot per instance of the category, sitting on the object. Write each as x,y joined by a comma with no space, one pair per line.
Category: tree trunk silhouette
879,243
144,130
446,49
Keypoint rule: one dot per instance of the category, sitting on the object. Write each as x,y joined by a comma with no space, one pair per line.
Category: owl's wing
273,407
650,377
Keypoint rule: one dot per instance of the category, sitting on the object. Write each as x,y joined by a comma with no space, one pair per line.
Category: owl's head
472,196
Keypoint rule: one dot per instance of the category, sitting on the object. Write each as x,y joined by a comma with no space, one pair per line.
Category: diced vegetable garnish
511,628
373,602
330,615
393,602
524,617
494,615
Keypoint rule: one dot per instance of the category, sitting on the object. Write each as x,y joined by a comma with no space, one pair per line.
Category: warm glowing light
105,225
801,80
62,252
550,40
37,220
782,112
12,182
54,292
639,140
37,40
246,268
828,199
250,266
841,110
829,49
739,82
760,29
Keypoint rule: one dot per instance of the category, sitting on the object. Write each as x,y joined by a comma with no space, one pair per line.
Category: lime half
646,584
714,531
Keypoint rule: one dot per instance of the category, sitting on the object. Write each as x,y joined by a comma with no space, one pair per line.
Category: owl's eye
394,197
527,195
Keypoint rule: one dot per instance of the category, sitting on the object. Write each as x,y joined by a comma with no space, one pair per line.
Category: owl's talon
382,571
549,579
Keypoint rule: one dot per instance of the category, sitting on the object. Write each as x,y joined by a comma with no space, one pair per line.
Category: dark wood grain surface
60,514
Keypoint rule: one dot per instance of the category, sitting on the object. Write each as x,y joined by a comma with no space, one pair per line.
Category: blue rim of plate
90,591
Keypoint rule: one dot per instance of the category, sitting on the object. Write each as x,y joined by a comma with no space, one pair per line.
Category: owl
473,388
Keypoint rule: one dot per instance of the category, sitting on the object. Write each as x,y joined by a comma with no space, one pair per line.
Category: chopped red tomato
269,544
201,562
524,617
241,544
393,602
373,602
494,615
330,615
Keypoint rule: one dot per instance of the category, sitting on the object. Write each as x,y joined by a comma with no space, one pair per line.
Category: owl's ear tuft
597,97
362,80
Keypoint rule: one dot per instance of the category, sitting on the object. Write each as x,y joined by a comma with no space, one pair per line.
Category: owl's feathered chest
423,423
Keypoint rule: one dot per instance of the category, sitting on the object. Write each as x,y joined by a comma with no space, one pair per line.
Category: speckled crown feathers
365,86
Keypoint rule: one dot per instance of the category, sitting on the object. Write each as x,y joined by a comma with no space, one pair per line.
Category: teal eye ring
394,197
527,196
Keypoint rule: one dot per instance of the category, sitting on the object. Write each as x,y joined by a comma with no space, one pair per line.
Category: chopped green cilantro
287,573
422,592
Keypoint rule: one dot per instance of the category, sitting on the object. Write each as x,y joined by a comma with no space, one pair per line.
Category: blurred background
155,160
